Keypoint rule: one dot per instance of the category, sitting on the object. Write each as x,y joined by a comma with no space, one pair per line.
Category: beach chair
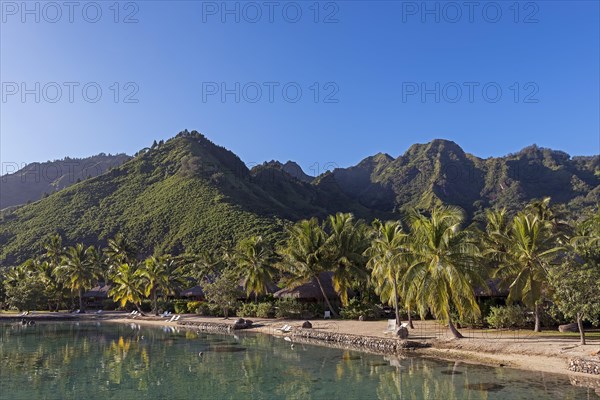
287,329
391,326
327,315
283,328
177,318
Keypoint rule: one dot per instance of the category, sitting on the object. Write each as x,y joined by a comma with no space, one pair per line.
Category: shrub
192,306
247,310
507,317
288,308
180,306
265,310
204,309
356,308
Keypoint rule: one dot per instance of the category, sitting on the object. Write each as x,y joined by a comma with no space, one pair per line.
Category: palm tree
127,286
159,274
444,273
52,259
119,250
78,270
531,250
346,244
54,250
305,255
386,261
254,259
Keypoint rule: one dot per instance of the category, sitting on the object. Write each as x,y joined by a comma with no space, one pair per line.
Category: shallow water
118,361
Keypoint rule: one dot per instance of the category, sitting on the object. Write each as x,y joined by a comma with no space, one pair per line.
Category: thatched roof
494,289
271,288
98,292
311,290
195,291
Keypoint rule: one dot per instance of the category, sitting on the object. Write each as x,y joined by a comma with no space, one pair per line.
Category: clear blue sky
374,61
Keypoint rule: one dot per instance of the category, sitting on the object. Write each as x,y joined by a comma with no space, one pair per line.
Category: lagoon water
120,361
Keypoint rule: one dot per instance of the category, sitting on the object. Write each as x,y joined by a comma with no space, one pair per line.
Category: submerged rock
451,372
485,387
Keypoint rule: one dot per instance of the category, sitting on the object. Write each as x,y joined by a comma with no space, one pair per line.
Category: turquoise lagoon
70,360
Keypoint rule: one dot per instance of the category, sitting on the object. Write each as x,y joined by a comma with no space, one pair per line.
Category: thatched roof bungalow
95,297
311,292
194,292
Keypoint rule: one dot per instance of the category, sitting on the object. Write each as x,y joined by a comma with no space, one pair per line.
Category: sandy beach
542,352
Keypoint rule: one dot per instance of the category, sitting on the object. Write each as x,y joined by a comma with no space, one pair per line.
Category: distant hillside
441,172
190,194
35,180
187,193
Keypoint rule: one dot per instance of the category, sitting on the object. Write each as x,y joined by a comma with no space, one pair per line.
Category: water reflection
94,361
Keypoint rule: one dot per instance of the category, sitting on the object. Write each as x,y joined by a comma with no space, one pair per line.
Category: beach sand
515,349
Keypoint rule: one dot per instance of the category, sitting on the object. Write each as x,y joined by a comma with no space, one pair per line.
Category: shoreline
517,354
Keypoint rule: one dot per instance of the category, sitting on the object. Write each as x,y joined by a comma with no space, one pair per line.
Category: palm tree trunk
325,297
396,303
581,331
154,301
410,321
137,306
81,308
453,329
537,327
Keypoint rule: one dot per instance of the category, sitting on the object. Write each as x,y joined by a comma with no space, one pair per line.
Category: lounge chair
283,328
177,318
391,326
287,329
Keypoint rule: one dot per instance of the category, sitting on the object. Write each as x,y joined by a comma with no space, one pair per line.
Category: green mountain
441,172
190,194
35,180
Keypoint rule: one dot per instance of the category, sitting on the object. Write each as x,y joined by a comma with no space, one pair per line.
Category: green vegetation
188,195
507,317
432,264
230,228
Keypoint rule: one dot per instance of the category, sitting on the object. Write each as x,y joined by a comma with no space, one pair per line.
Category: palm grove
428,262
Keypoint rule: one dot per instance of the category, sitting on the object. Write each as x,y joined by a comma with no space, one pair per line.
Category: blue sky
387,75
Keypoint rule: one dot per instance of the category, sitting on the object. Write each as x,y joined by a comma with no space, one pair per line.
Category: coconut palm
54,250
52,258
304,256
531,250
444,272
78,270
254,262
119,250
127,286
346,244
159,274
386,256
202,266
